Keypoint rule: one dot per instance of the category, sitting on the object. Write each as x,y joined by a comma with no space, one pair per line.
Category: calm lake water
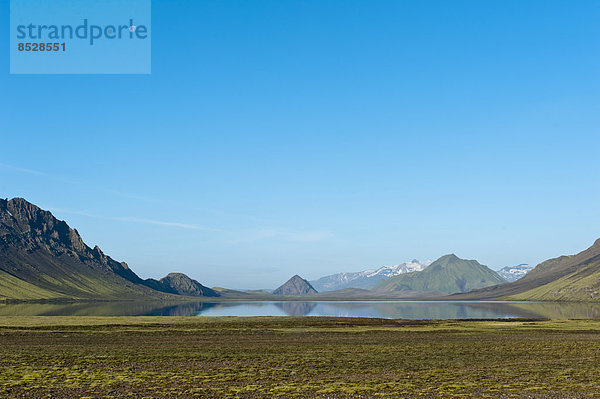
382,309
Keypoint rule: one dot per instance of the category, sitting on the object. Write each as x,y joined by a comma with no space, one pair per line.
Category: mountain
448,274
42,258
180,284
366,279
566,278
296,286
513,273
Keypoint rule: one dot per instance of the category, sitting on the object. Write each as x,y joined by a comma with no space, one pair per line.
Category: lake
381,309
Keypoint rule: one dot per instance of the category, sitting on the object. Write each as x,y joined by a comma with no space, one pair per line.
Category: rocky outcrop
25,226
180,284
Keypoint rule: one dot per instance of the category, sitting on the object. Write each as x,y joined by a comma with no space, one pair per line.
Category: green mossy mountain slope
449,274
566,278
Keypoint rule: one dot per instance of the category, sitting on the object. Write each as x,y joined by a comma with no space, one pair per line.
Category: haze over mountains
366,279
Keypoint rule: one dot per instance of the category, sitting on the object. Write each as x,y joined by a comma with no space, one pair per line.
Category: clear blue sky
314,137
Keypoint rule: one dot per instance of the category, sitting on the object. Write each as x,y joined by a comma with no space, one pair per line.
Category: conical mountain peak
295,286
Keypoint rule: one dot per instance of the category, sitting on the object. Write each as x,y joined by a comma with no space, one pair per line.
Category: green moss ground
66,357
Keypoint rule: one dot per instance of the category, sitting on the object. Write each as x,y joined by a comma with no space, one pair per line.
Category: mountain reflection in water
294,308
382,309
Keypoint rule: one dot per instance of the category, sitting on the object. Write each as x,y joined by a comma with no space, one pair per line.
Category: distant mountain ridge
42,258
366,279
513,273
448,274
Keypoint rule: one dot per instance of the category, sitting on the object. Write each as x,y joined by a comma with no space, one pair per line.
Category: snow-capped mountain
513,273
368,278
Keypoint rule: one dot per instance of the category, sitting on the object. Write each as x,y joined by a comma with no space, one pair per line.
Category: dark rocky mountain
42,258
180,284
448,274
566,278
296,286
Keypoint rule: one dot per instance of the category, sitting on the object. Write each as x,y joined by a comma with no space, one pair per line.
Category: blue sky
314,137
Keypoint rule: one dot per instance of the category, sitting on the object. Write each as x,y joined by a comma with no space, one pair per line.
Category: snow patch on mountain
513,273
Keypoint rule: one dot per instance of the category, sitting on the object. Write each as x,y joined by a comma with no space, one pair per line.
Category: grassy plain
69,357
